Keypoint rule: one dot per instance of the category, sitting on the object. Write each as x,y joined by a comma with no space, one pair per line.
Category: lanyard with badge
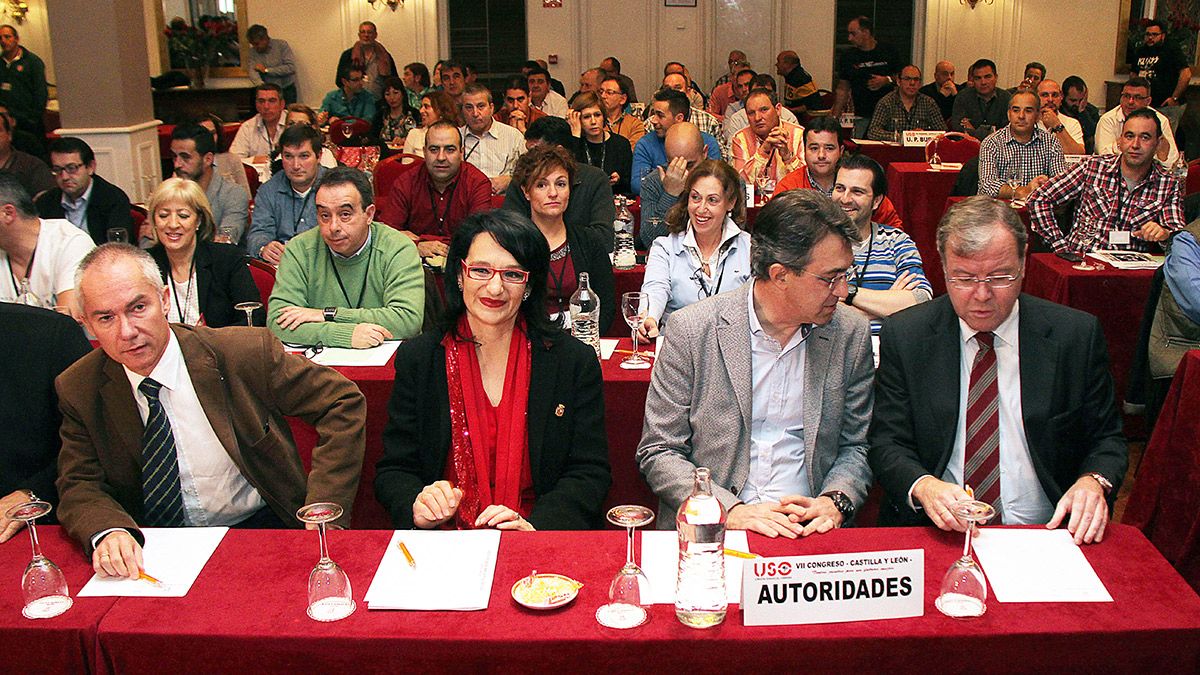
362,291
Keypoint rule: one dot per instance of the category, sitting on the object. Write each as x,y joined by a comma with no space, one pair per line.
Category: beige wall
35,34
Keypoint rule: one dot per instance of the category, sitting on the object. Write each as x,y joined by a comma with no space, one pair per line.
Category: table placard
918,139
1072,160
796,590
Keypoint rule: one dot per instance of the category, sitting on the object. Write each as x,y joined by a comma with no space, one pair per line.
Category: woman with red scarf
496,419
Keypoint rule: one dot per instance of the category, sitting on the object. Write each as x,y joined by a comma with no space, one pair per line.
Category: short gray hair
12,192
106,254
790,225
972,223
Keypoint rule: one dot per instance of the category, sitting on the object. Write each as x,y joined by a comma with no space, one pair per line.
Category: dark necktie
161,495
981,469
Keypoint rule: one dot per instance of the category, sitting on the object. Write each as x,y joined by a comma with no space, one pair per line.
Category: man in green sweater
350,282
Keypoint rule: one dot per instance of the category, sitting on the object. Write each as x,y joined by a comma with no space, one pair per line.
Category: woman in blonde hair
205,279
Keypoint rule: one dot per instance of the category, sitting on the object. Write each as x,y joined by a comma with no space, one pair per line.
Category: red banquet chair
358,128
1192,186
263,274
954,147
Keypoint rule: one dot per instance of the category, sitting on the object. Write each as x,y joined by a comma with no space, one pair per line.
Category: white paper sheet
660,562
607,345
454,571
372,356
1037,565
173,555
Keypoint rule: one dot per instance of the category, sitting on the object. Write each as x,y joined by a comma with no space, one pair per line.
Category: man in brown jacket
172,426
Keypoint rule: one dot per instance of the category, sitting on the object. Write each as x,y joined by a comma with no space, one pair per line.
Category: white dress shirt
554,104
777,426
1070,125
253,138
495,151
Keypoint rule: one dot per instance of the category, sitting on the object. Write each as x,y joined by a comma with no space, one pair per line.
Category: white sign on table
660,562
918,139
793,590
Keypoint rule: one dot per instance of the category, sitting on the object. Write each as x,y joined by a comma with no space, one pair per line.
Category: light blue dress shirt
674,278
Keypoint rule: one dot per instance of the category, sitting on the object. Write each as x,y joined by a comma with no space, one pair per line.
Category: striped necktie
161,495
982,457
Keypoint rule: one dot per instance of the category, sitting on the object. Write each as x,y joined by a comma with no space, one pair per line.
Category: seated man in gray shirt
194,152
284,206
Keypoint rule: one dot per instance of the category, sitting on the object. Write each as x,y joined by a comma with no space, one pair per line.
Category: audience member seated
1034,74
89,202
943,89
204,279
1125,201
1176,324
1135,95
668,107
591,200
207,410
738,120
905,108
541,96
739,374
617,119
32,172
888,273
517,113
706,252
589,83
351,282
427,203
595,146
192,146
981,108
284,205
271,60
1064,128
394,119
35,346
739,88
416,84
722,92
704,121
799,89
662,187
612,68
351,99
298,113
768,149
258,136
1075,93
1019,158
45,280
436,106
21,139
1042,438
493,147
454,80
546,175
527,450
822,152
368,55
226,164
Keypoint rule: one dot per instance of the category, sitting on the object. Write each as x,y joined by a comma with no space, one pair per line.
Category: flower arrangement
213,40
1183,23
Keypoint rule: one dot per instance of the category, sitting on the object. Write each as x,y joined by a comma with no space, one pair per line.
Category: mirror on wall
203,33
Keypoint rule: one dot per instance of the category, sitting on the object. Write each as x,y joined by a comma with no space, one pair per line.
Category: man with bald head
943,89
1066,129
668,108
662,187
589,81
1019,158
799,90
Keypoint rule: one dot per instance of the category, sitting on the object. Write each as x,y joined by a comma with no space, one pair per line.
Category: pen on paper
142,576
407,556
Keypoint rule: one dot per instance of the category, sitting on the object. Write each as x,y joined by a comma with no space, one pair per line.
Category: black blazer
223,280
591,201
568,450
617,157
107,207
1067,403
35,346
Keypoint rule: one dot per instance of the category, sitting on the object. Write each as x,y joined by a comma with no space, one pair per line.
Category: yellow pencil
407,556
741,554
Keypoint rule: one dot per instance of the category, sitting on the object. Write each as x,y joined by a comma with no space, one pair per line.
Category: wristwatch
842,502
1058,129
1104,482
853,291
330,313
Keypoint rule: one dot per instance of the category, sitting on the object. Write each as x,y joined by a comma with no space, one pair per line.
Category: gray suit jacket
698,410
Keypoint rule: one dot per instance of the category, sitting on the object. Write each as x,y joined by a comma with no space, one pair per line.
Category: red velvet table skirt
887,153
1165,502
624,410
919,196
64,644
246,612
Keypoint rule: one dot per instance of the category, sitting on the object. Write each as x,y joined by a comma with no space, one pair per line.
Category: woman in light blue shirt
705,252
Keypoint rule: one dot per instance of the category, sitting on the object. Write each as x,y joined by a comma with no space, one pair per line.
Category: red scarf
472,470
359,55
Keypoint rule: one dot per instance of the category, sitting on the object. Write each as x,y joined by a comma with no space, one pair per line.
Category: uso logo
772,568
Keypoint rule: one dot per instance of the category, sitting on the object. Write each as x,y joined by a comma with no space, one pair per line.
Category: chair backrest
358,127
389,168
264,278
953,146
1192,185
252,179
141,218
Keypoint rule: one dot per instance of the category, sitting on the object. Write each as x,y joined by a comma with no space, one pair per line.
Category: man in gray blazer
769,385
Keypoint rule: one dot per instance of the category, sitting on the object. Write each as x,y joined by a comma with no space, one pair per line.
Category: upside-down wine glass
635,306
43,586
630,590
329,595
964,588
248,308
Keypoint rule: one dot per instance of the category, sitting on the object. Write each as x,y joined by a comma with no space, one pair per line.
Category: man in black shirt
1165,67
1075,104
865,73
943,89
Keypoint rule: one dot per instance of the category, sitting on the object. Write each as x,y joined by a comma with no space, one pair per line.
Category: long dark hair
521,238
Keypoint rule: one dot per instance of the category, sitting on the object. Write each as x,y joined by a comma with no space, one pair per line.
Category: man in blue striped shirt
888,274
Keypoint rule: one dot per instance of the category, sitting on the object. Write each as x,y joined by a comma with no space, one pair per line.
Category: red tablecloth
919,196
887,153
1116,297
1165,502
246,614
624,409
64,644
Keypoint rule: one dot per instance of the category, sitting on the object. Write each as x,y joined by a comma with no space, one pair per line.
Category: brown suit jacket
246,384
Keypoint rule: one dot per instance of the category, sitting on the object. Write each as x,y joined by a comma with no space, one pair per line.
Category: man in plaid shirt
1019,152
1125,201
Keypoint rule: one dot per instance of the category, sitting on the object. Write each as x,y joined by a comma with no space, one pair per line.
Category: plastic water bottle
700,589
624,257
1180,171
585,314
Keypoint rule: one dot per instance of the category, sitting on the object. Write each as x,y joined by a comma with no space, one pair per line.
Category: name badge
1118,237
797,590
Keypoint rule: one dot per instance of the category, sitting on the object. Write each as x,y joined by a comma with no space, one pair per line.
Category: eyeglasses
70,169
1134,97
846,276
508,275
909,78
998,281
311,352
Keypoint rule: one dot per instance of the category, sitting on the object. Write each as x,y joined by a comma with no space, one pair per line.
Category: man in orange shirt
768,146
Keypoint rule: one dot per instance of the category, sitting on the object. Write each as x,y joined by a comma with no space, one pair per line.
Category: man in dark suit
28,406
172,426
1037,432
91,203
